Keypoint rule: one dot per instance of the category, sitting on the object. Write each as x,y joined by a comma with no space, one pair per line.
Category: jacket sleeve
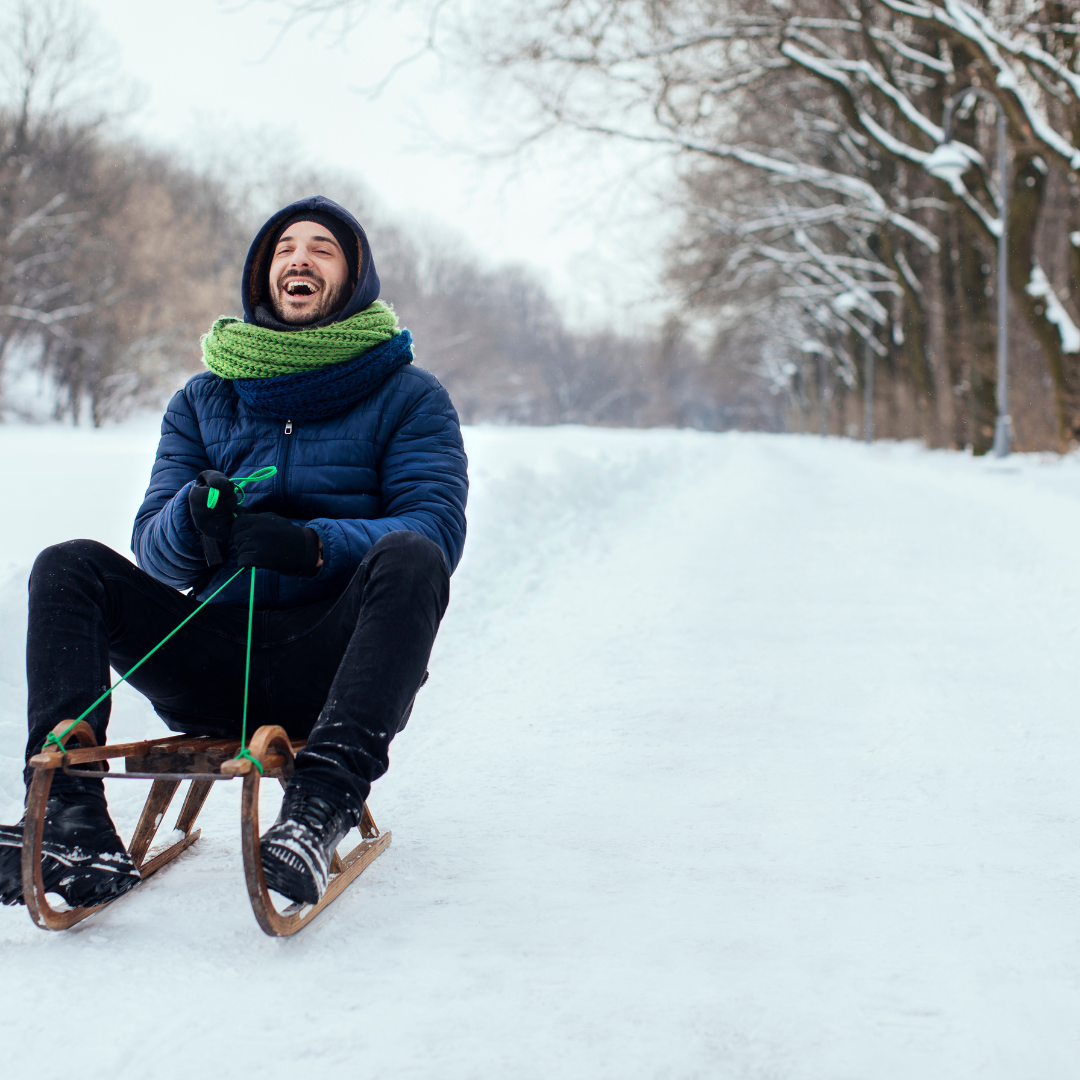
425,484
165,541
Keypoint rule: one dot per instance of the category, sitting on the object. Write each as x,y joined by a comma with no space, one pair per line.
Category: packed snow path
742,757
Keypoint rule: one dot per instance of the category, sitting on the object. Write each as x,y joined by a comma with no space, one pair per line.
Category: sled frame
343,871
202,761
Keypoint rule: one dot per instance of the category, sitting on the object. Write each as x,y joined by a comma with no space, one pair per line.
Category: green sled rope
58,740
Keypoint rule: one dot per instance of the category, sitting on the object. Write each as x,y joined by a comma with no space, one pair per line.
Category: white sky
207,68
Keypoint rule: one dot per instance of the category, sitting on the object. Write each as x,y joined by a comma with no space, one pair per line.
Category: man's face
308,274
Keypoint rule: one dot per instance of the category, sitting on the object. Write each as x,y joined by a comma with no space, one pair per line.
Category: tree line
815,242
803,130
817,251
115,257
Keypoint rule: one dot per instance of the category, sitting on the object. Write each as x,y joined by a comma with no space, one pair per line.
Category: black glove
272,542
216,521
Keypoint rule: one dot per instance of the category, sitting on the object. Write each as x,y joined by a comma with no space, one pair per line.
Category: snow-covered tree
833,106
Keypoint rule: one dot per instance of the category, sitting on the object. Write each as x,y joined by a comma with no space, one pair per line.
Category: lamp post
949,163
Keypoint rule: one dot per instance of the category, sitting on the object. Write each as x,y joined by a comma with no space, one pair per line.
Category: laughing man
354,538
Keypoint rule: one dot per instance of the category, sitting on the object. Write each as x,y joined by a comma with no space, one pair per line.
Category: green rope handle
56,740
238,482
244,751
211,501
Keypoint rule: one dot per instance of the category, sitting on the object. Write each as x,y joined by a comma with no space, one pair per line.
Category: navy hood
254,286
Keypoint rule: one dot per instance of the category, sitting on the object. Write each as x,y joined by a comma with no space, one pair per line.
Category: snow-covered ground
742,756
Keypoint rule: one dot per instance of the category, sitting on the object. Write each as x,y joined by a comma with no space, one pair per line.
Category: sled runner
168,762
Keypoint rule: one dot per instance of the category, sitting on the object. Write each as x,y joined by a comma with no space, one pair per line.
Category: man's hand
272,542
213,514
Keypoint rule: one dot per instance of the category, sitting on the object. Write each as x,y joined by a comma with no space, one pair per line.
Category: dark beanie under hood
254,287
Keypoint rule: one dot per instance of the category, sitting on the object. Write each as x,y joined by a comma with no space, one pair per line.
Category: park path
743,756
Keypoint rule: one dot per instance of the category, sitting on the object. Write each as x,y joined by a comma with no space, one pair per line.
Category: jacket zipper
283,461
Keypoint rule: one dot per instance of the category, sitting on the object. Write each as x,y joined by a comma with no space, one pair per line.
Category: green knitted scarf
239,350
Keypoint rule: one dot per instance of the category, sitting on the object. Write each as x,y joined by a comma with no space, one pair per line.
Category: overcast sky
207,68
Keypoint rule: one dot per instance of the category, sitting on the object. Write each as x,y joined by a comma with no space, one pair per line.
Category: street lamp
948,162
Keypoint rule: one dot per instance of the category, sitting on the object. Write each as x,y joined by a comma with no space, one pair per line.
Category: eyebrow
323,239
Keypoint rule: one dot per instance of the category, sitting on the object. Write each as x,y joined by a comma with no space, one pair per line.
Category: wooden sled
168,762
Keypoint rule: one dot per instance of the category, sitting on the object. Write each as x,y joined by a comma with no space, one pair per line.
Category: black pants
343,672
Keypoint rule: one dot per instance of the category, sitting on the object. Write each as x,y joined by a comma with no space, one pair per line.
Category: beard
327,300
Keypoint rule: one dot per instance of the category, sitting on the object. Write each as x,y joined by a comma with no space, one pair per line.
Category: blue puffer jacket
394,460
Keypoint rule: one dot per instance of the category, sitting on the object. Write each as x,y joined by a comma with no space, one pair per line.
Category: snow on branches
833,107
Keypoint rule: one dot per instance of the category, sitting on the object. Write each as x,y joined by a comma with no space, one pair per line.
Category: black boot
297,849
82,857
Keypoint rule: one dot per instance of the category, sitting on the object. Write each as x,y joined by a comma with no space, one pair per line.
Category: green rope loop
246,753
240,481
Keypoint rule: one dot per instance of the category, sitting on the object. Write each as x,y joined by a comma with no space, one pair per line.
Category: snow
742,756
1040,286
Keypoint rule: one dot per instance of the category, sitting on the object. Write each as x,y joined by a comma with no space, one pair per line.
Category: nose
300,257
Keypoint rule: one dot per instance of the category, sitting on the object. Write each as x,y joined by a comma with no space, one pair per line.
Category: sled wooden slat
203,761
167,856
193,803
181,754
157,802
368,829
92,752
186,759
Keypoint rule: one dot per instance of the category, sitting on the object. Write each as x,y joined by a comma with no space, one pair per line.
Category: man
354,540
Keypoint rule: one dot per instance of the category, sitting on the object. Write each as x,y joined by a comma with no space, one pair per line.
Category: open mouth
300,287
